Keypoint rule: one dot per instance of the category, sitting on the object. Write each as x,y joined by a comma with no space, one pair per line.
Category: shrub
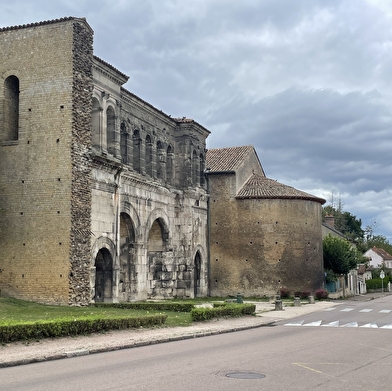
229,310
68,327
149,306
321,294
284,293
302,295
376,283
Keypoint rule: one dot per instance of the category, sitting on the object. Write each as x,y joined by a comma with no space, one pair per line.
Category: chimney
330,220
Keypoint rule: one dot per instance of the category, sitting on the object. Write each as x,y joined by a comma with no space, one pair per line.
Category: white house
378,257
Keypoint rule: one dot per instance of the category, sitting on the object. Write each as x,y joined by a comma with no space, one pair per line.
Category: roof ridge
36,24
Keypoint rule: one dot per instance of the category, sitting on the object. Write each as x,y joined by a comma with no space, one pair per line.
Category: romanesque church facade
102,196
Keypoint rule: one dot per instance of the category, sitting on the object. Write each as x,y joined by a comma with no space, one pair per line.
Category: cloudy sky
307,82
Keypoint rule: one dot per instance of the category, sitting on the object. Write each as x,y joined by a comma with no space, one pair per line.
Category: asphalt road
280,357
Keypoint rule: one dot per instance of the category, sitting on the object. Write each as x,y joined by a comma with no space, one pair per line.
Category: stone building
263,235
102,196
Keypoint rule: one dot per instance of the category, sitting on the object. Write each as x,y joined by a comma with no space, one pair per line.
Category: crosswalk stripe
316,323
350,324
295,323
370,326
331,324
347,309
387,326
385,311
330,309
366,310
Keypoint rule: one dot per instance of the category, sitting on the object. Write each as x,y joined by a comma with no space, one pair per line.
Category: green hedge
149,306
376,283
228,310
70,327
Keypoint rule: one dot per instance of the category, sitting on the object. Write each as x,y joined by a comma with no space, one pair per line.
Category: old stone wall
38,179
149,209
261,245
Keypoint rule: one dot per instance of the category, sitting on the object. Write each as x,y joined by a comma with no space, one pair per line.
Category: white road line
346,309
331,324
370,326
316,323
295,323
350,324
330,309
385,311
387,326
367,310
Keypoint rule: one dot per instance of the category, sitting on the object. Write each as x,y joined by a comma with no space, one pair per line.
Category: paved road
280,357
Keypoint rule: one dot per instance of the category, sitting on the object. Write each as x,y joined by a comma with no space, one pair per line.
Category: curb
86,352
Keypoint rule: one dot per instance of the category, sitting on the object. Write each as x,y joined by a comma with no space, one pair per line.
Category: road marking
295,323
387,326
367,310
370,326
316,323
331,324
385,311
330,309
346,309
350,324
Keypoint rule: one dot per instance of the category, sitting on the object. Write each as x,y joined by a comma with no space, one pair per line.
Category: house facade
103,196
378,257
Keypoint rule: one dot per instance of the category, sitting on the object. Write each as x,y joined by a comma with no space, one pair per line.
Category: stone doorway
196,274
103,276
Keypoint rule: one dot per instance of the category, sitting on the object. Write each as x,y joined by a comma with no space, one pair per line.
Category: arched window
169,164
96,124
111,130
136,150
124,143
148,156
160,161
11,108
155,239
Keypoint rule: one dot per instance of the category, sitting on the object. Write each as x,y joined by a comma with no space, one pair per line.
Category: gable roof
382,253
260,187
227,159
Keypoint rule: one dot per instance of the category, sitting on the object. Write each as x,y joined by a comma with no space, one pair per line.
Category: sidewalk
26,352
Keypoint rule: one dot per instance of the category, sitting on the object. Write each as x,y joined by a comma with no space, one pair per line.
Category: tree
346,223
339,255
372,240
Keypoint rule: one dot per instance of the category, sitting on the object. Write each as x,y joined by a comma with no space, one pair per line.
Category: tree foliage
349,225
339,255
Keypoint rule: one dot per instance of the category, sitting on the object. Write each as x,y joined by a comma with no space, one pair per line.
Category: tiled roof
260,187
23,26
226,159
382,253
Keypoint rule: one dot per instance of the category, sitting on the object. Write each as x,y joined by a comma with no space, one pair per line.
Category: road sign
382,274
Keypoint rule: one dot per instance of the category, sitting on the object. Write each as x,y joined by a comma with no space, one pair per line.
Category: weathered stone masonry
102,195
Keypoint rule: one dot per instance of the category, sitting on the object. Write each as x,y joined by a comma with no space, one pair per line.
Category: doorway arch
103,276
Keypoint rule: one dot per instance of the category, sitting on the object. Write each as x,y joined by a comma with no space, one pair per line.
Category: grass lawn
17,311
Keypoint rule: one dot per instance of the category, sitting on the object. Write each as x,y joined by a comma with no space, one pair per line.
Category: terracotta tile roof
258,186
23,26
226,159
382,253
